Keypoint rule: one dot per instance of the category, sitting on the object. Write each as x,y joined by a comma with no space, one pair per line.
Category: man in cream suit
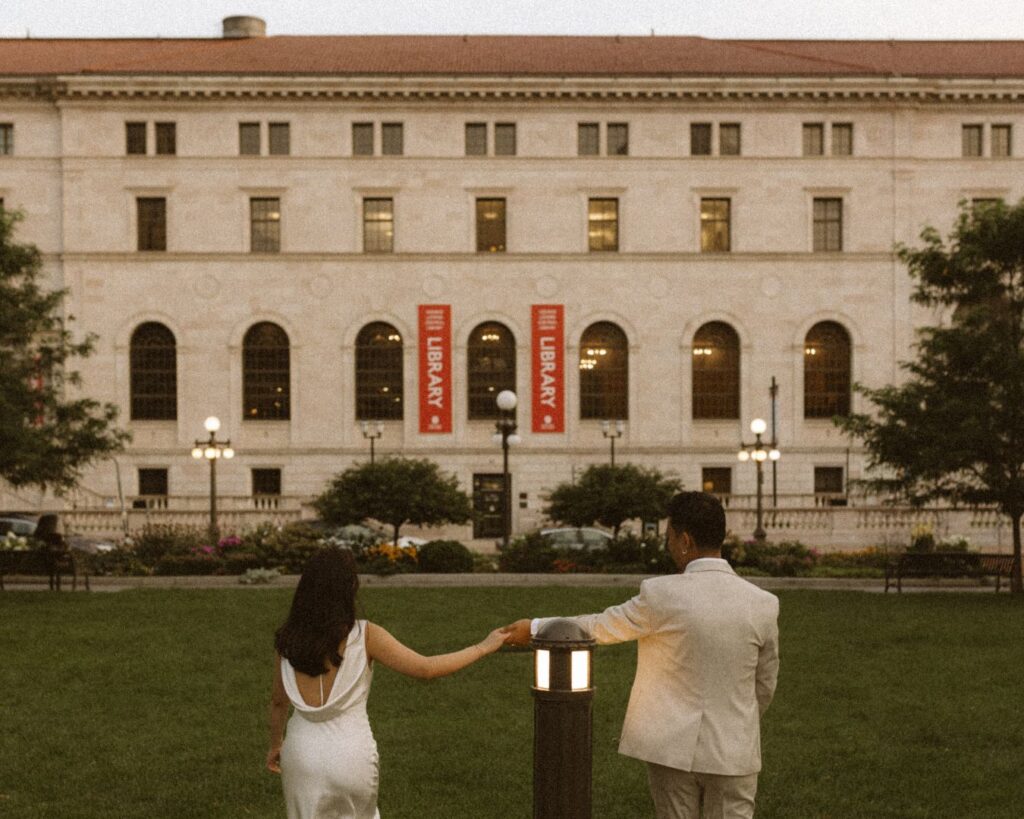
707,664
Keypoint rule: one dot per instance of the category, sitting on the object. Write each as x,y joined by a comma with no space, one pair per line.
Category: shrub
117,563
155,541
241,562
287,547
445,557
190,563
259,576
530,553
874,557
786,559
386,558
922,539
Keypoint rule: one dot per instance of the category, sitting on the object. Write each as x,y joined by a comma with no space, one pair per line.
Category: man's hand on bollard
520,631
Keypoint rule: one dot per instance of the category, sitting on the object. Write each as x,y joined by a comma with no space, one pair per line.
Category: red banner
547,321
435,368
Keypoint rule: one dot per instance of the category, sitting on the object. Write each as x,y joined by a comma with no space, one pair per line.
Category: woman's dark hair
323,612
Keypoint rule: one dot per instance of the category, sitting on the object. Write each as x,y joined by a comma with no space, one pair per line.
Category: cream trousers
685,795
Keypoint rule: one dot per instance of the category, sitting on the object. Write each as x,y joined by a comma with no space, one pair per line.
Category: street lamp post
612,430
213,450
758,452
372,433
505,434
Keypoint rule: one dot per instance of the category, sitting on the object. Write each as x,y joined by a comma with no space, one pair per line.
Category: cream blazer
707,663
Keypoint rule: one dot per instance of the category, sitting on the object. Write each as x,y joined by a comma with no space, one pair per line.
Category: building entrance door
487,506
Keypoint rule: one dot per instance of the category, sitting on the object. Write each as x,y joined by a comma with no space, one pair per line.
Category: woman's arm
278,715
384,648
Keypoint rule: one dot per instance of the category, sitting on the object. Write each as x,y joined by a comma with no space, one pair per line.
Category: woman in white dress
322,668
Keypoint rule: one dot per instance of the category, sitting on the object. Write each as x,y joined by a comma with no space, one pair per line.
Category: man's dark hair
701,516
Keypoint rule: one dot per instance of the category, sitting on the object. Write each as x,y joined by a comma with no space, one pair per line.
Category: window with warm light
716,372
379,386
265,224
604,372
491,368
827,371
153,373
490,225
603,225
266,373
378,225
715,225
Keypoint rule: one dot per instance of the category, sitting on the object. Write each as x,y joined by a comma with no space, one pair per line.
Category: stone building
302,234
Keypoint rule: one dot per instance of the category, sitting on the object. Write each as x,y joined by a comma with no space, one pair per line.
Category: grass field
153,704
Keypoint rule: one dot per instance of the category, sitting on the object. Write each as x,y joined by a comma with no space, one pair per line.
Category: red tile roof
515,55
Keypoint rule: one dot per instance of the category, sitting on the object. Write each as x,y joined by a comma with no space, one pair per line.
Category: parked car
583,538
24,524
18,524
361,533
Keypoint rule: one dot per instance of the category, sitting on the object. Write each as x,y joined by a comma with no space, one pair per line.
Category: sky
754,19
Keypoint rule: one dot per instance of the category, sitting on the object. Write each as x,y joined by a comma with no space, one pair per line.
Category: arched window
265,373
716,371
604,372
827,371
378,373
154,373
492,367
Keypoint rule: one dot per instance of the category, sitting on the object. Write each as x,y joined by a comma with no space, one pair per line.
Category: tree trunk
1016,587
397,527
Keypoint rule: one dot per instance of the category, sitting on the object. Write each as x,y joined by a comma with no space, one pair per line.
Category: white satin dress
329,755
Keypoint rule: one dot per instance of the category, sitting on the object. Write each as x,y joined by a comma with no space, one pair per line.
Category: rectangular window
392,139
603,224
1002,136
814,139
828,480
266,482
588,139
842,139
490,225
729,139
280,138
265,224
135,138
166,138
152,223
6,139
476,139
505,139
828,225
700,139
716,479
618,139
714,225
362,139
249,138
153,489
971,140
378,226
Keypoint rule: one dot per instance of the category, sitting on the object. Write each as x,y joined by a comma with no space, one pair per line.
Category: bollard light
563,694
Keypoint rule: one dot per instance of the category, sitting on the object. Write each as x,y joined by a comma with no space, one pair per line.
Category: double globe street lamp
505,434
213,450
759,451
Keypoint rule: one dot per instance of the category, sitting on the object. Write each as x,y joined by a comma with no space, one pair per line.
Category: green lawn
152,704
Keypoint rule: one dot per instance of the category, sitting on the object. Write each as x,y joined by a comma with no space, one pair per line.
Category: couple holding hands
707,664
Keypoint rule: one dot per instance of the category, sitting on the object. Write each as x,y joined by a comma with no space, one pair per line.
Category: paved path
499,580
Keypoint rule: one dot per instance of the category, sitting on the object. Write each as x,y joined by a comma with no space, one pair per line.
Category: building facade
315,238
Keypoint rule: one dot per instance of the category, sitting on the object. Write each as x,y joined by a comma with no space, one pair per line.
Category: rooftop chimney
241,27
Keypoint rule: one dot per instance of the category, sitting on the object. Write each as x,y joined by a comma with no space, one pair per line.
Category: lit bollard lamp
562,721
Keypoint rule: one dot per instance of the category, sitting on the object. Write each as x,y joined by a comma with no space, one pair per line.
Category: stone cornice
378,260
178,88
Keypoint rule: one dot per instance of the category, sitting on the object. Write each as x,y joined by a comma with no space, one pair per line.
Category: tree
394,491
611,495
46,437
955,429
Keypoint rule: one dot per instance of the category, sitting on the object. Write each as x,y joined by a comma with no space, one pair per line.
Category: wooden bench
46,562
948,564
